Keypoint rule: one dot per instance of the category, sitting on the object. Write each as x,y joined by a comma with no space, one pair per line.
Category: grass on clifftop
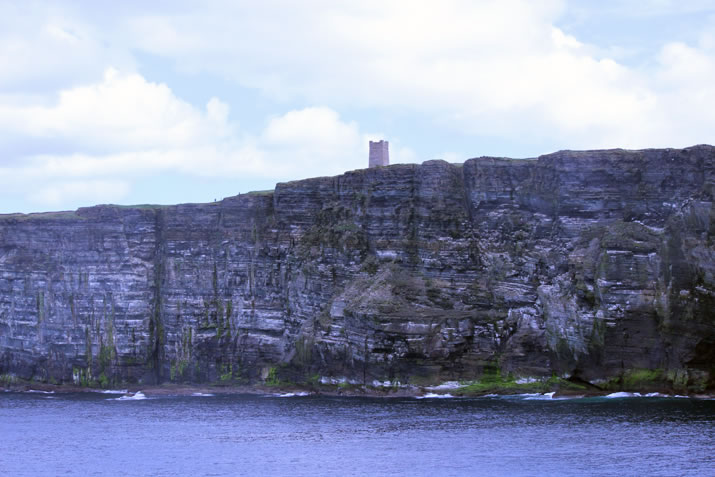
67,214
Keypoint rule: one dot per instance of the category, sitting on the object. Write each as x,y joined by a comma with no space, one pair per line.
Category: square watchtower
379,153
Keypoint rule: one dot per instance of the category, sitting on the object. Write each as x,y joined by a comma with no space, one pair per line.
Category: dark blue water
88,434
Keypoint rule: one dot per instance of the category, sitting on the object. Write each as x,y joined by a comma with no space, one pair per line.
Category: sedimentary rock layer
589,263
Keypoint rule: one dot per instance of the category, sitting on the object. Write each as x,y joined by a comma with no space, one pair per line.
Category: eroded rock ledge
598,265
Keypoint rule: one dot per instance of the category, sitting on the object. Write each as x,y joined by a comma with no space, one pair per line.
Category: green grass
496,383
637,380
227,373
63,215
640,377
8,379
272,378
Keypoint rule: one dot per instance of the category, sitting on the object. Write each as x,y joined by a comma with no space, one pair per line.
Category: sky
168,102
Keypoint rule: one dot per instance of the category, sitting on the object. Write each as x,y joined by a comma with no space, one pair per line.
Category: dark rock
594,264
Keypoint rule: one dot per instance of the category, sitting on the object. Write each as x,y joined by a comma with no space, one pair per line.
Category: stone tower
379,153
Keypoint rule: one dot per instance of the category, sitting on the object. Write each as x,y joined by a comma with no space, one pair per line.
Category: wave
541,397
434,396
300,394
532,396
622,394
661,395
40,392
446,385
137,396
202,394
112,391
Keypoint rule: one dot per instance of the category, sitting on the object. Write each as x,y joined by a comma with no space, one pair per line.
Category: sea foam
434,396
446,385
622,394
540,397
137,396
113,391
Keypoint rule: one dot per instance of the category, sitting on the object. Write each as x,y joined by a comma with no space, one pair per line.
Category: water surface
224,435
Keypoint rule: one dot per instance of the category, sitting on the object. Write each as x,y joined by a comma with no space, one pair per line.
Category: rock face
595,264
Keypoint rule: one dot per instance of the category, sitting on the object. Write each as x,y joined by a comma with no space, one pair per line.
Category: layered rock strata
593,264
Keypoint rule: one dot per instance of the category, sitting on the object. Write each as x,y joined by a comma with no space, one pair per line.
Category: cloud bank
80,121
126,126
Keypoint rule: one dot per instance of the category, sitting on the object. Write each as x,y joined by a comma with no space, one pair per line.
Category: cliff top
592,154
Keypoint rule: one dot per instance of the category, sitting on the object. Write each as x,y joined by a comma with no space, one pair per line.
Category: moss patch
498,384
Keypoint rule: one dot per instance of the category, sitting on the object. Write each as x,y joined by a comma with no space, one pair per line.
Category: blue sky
120,102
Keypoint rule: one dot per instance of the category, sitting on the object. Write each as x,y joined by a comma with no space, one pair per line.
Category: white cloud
122,112
310,126
125,127
55,194
499,68
495,67
686,81
48,46
683,65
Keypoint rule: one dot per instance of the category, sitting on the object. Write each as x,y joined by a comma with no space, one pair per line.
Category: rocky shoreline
453,390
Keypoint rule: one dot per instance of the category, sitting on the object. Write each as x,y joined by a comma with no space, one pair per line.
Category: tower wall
379,153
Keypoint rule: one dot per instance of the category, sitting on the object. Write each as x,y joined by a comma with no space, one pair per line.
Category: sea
292,434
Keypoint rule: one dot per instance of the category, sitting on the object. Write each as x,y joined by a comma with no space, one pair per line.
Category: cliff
598,265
